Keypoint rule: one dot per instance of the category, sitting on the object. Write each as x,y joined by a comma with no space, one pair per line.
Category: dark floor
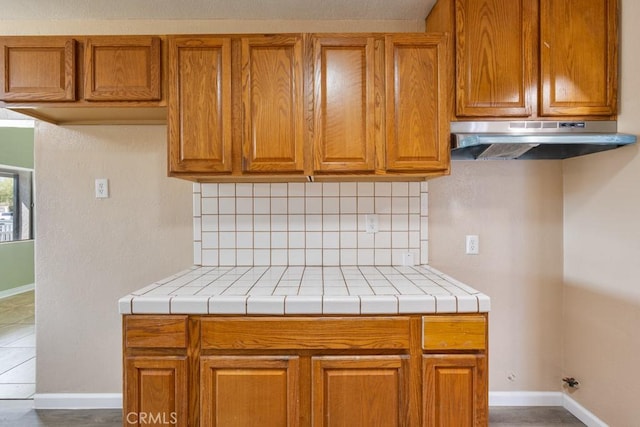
20,414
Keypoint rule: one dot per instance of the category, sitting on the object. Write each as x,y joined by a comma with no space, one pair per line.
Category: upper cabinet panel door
199,122
578,56
124,68
417,123
273,104
496,58
344,103
37,69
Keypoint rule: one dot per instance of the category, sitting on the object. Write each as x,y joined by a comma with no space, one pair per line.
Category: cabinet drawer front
454,332
305,333
156,331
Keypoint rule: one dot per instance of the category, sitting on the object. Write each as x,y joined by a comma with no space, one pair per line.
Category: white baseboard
15,291
525,398
581,413
551,398
77,401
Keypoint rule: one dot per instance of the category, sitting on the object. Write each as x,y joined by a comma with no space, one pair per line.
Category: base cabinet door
365,391
455,391
156,391
249,391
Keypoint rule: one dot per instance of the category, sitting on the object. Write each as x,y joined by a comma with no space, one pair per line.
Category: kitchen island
302,346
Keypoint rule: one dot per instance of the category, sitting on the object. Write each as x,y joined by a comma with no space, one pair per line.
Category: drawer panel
305,333
155,331
459,332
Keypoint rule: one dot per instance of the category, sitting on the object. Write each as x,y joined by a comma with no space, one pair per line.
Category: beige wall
90,252
516,209
602,259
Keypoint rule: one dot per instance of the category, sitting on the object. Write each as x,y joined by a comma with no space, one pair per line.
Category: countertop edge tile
364,290
157,304
302,304
341,305
228,304
124,304
416,304
265,304
189,304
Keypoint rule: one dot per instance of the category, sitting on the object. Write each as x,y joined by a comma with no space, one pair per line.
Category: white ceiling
214,9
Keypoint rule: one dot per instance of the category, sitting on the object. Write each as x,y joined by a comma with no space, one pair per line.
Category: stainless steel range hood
533,139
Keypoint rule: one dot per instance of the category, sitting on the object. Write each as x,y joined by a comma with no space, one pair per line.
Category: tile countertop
297,290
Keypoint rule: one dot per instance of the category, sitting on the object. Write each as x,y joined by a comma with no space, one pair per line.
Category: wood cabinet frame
314,361
531,59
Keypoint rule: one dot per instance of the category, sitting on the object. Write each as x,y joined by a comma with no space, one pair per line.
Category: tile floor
17,383
17,347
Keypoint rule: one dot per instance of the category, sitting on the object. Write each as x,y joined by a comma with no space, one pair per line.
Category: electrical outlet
407,259
371,223
102,188
472,245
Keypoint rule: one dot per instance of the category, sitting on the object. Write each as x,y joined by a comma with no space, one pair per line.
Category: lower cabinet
249,391
320,372
454,392
155,391
360,391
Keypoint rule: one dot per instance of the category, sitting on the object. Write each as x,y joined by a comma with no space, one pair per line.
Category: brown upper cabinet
296,105
417,125
344,104
102,79
199,118
272,104
38,69
124,68
531,58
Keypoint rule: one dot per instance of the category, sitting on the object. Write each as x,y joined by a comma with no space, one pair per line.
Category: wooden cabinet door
364,391
199,123
417,124
273,104
496,58
37,69
248,391
578,55
126,68
455,391
344,104
155,391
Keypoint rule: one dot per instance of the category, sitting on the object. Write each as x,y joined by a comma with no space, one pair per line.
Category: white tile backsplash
309,223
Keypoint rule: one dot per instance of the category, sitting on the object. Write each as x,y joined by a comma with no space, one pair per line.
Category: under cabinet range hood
526,140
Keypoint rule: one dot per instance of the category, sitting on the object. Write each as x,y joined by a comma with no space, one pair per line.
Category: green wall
16,258
16,147
16,264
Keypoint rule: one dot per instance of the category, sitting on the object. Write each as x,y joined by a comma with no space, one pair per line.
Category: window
16,204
